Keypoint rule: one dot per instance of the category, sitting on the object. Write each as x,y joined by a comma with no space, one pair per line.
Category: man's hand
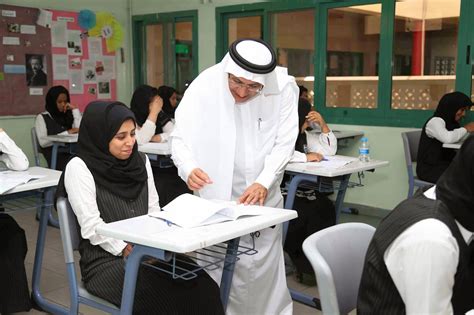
314,157
127,250
255,193
197,179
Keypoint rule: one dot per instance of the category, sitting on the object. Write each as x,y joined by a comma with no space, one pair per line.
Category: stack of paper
11,179
190,211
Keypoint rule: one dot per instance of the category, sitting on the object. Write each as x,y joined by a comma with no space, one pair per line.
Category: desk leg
290,197
131,274
54,156
228,272
341,193
40,243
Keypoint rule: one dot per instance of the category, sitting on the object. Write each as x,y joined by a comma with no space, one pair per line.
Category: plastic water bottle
364,150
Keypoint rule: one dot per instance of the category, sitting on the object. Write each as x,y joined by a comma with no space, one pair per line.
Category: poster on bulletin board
42,48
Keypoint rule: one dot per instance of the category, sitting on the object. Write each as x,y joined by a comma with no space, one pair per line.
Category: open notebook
190,211
11,179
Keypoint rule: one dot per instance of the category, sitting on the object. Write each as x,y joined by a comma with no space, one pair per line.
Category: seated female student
312,147
109,180
170,100
153,124
10,154
60,118
156,126
443,127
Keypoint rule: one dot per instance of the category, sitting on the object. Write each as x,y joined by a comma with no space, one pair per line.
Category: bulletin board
80,63
17,41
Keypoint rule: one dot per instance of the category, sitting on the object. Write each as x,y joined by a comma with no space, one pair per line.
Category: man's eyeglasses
253,88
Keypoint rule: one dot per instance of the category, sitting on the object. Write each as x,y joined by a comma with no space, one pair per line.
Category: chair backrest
411,140
70,237
337,255
36,151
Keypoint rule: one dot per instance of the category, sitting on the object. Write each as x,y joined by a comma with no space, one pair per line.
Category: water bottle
364,150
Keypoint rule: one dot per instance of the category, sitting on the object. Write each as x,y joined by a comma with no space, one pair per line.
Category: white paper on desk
190,211
332,162
11,179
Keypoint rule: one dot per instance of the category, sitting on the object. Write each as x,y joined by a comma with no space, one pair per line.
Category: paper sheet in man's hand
190,211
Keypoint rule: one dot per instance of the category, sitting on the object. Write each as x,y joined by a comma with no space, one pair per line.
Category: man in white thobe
236,128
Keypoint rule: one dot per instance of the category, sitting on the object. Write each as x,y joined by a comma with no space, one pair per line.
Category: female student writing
443,127
10,154
108,181
60,118
311,147
153,124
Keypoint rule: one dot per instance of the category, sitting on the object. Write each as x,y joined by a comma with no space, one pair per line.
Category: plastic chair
337,255
70,237
411,140
36,151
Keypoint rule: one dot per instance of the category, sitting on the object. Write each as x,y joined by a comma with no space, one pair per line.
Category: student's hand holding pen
197,179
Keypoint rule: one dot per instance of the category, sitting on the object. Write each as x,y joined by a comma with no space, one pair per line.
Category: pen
324,159
259,121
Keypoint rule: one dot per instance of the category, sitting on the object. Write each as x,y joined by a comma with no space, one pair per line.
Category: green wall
383,189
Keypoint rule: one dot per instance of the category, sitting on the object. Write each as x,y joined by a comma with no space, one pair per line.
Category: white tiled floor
54,284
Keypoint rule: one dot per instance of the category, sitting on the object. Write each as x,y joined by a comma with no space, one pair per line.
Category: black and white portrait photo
36,74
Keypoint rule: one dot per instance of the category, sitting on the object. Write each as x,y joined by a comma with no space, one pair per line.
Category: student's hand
197,179
315,117
127,250
255,193
314,157
1,129
156,138
73,130
469,126
71,106
155,106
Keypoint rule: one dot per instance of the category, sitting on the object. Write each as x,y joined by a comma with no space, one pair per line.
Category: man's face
36,65
242,89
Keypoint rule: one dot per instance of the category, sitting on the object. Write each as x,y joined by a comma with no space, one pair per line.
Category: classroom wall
384,189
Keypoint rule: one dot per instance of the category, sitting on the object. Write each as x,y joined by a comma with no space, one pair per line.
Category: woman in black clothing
148,105
443,127
60,118
170,99
109,180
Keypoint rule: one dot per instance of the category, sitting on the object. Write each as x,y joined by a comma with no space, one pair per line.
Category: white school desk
308,172
154,237
156,148
48,182
61,141
343,134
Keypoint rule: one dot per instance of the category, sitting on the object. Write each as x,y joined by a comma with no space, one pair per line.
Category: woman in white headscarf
235,131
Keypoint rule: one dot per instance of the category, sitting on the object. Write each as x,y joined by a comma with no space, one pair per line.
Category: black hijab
64,120
100,123
455,187
140,106
448,105
165,92
304,107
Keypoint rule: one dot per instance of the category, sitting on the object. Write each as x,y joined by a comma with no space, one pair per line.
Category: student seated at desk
170,100
60,118
109,180
312,147
156,126
10,154
153,124
443,127
420,260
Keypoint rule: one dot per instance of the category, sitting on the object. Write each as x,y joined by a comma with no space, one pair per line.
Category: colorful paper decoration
86,19
109,28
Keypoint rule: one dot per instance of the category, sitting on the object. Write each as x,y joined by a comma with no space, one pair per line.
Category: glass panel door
244,27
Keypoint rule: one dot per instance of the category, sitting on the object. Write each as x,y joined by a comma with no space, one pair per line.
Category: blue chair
337,255
70,236
411,140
